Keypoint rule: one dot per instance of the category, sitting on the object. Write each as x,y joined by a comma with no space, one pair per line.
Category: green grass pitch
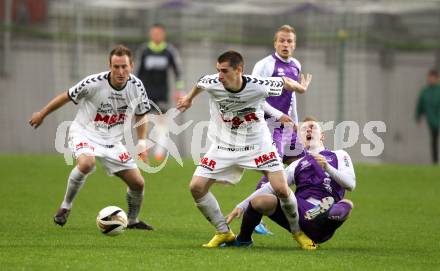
394,226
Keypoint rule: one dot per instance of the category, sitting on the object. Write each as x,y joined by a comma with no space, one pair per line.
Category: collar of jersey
316,149
157,47
113,87
282,59
243,85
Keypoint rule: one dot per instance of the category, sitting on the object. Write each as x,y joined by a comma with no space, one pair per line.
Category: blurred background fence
369,59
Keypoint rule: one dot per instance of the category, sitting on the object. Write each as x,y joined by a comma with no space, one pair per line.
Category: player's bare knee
136,183
133,178
198,188
86,164
139,184
282,192
257,203
264,204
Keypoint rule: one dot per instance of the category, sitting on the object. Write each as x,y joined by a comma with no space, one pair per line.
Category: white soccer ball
112,220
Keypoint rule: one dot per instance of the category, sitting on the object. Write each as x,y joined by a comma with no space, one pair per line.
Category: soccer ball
112,220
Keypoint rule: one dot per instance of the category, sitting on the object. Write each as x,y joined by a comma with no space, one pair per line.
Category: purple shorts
318,230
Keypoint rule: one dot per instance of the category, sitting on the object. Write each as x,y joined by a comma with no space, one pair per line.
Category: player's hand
142,151
36,119
236,213
144,157
320,159
178,94
286,120
305,80
184,103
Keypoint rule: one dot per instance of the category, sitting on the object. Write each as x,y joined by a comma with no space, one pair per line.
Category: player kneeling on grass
321,178
105,101
240,139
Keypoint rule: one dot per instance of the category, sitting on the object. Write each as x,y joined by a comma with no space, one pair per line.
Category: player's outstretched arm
300,86
141,131
186,101
236,213
272,111
38,117
277,114
239,209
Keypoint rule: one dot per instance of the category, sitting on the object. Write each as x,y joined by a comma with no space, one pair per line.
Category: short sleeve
258,69
206,81
271,86
297,64
81,89
143,106
264,67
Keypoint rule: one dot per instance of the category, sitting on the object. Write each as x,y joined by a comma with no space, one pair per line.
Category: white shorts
226,164
113,158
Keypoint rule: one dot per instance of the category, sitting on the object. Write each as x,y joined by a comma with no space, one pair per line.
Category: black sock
251,218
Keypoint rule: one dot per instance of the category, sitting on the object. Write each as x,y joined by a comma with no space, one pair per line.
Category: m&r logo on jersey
124,157
265,159
207,163
239,120
111,119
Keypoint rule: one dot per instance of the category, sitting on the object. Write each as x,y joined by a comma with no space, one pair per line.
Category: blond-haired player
105,101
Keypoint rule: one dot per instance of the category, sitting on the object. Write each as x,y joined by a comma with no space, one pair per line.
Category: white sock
74,183
134,201
290,210
209,207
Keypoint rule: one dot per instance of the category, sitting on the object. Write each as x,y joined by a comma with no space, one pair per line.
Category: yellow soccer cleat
304,241
220,238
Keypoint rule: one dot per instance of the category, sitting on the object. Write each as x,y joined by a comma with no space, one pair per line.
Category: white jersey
237,118
104,109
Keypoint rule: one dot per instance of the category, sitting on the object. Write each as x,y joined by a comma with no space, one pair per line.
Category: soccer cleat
220,238
304,241
341,210
320,210
262,229
238,243
140,226
61,216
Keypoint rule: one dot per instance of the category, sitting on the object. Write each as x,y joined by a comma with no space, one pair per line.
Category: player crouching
321,178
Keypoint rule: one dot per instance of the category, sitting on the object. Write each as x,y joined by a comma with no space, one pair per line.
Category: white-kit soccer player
105,101
282,108
240,139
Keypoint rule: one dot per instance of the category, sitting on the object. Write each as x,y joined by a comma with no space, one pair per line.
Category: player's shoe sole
220,238
60,218
304,241
321,209
262,229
